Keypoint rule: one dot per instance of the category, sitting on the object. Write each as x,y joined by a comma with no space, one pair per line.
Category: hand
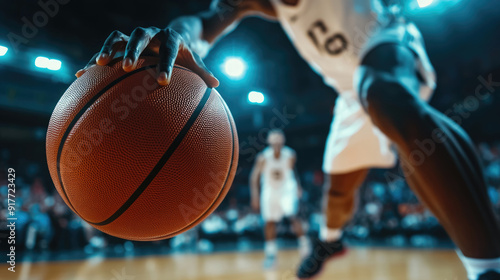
256,204
300,192
166,43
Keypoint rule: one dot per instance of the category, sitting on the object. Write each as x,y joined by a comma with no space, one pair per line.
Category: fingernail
127,62
217,82
169,74
103,56
79,73
163,79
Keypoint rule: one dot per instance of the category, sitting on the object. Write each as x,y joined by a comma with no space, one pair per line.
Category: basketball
137,160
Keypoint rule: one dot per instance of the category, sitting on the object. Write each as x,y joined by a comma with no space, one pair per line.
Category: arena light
46,63
235,67
3,50
256,97
41,62
54,65
424,3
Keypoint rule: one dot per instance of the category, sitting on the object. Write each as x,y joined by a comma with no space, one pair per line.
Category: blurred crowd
386,210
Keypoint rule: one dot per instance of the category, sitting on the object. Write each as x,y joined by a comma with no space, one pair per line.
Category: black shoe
490,275
321,252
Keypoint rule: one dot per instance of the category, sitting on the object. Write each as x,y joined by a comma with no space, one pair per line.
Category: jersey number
334,44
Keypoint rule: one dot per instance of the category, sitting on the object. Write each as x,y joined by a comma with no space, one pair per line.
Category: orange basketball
137,160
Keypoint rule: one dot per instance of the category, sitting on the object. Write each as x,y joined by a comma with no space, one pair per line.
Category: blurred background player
277,197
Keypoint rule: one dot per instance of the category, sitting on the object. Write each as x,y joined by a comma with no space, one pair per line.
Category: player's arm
255,181
293,166
183,40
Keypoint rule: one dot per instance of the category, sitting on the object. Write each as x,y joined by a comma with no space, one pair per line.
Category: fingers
201,69
169,49
174,49
92,61
138,41
107,52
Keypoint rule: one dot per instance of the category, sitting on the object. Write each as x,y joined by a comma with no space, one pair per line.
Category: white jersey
331,34
277,173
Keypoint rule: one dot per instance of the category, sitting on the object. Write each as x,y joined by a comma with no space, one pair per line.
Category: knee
392,107
339,189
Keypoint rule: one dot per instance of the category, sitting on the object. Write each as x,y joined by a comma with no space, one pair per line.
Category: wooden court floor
358,264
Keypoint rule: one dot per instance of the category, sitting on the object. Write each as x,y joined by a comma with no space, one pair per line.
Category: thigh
388,62
397,51
391,58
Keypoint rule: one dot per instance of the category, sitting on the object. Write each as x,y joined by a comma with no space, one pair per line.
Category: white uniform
333,36
279,192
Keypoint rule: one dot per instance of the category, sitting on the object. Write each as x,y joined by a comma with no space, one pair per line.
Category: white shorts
354,142
279,203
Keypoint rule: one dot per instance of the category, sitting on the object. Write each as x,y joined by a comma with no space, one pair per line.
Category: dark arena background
266,85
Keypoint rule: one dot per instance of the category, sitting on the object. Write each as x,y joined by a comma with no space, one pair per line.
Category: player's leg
271,213
297,226
270,245
289,204
440,160
298,229
353,145
270,237
339,206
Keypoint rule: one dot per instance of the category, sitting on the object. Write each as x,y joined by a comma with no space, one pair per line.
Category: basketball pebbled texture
140,161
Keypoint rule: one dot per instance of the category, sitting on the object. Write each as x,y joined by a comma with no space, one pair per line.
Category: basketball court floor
358,264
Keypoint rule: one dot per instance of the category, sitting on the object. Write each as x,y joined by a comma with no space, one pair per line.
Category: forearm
254,187
201,31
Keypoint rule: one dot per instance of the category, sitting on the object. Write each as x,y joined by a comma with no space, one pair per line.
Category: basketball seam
80,114
223,187
161,163
77,118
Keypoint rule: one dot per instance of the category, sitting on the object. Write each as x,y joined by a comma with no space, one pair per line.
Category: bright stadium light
54,65
41,62
46,63
424,3
235,67
3,50
256,97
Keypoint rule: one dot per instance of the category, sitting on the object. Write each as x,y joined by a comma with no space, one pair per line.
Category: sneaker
321,252
490,275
